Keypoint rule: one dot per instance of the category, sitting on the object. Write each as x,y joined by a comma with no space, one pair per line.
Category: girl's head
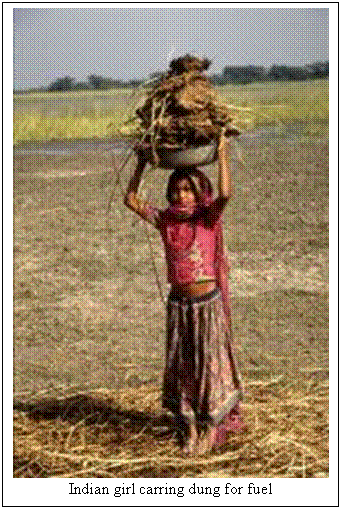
188,187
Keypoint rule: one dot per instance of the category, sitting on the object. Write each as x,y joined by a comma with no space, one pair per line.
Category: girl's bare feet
206,440
190,446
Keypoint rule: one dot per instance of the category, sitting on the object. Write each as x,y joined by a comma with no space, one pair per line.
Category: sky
128,43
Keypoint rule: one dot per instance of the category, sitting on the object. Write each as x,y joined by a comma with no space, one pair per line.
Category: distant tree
296,72
95,81
100,83
62,84
217,79
257,73
230,74
277,72
288,73
81,85
318,70
243,74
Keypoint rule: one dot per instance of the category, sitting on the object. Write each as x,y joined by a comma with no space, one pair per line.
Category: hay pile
125,434
182,108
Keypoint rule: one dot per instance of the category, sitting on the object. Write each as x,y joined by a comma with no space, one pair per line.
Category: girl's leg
206,440
187,433
191,444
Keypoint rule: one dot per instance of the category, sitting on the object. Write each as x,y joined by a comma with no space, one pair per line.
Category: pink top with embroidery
194,246
190,244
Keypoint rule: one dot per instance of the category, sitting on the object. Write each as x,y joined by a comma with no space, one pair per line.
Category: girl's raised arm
133,201
225,190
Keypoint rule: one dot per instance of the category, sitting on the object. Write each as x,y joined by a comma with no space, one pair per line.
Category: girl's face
183,194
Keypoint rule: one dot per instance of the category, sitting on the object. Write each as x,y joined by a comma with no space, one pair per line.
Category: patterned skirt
201,380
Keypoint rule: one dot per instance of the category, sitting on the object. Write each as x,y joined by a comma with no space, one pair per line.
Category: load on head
182,108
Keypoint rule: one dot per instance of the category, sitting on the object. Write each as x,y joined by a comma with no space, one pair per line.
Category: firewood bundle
182,108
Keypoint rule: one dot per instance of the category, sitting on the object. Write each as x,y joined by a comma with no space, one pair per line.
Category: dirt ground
87,310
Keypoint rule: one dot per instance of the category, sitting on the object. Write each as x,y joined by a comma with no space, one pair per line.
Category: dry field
89,322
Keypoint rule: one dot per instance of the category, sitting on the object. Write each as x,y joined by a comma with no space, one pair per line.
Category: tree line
250,74
239,75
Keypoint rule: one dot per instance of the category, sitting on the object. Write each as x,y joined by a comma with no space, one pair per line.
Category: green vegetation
236,74
106,114
281,103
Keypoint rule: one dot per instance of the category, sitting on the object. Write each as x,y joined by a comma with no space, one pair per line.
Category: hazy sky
134,42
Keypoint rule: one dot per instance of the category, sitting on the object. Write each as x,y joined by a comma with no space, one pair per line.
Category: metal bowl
171,158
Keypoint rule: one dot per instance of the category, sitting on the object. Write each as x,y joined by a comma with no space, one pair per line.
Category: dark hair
199,182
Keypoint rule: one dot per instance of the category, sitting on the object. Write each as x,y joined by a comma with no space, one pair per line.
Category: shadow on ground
91,410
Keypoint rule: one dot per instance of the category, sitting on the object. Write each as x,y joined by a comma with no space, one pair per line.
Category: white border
286,492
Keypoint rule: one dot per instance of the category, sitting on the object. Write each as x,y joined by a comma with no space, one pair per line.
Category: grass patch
284,103
92,114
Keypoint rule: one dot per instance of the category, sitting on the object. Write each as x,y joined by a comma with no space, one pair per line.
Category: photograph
171,245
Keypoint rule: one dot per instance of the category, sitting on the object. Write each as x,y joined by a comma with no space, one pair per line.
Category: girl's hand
224,181
224,143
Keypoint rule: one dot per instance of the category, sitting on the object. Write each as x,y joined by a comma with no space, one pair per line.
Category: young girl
201,385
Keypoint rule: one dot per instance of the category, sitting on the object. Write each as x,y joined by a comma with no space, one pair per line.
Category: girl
201,385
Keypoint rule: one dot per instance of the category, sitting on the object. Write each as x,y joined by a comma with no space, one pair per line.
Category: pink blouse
190,245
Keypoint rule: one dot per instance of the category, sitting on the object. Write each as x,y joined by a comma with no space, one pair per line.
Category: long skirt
201,379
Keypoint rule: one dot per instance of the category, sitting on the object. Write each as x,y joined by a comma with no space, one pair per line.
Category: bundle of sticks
182,108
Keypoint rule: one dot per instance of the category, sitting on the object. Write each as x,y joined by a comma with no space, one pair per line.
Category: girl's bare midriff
194,289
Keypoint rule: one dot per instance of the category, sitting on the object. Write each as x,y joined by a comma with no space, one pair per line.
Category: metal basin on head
170,158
